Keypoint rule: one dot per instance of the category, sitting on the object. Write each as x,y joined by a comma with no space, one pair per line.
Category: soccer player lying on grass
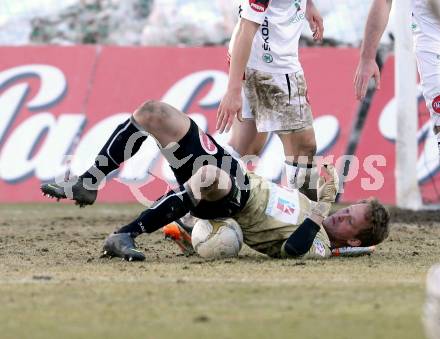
276,221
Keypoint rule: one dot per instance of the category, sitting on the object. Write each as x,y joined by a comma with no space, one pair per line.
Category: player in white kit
264,48
426,31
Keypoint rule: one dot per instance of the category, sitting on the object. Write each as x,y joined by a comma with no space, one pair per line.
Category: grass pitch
53,283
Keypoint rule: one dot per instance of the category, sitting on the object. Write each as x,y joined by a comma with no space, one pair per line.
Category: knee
205,179
310,148
210,183
236,147
299,143
150,115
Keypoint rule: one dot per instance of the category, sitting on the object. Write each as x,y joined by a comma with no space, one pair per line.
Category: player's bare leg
299,150
245,140
162,121
209,183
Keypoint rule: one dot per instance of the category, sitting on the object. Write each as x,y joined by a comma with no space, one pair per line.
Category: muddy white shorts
277,102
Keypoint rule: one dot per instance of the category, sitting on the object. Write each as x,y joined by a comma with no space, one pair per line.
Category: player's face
346,223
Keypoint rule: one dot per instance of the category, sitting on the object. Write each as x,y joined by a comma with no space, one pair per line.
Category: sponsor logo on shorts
285,206
259,5
267,58
436,104
207,143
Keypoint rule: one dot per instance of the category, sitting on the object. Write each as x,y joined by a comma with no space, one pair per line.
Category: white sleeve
254,10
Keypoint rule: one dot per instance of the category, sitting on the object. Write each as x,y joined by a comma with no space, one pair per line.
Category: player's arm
367,67
230,106
241,49
305,243
252,15
315,21
302,242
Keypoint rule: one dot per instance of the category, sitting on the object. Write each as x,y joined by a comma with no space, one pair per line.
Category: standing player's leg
299,141
299,150
279,104
245,139
429,69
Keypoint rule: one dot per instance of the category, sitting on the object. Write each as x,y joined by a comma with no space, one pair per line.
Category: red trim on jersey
259,5
436,104
207,143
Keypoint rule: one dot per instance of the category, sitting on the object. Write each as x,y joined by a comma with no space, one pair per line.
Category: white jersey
275,46
426,27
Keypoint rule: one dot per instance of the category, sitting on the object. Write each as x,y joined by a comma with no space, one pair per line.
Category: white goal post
407,188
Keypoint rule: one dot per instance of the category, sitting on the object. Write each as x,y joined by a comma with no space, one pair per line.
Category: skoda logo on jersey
267,58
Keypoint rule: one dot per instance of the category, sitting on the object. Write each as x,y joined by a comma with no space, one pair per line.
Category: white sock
295,175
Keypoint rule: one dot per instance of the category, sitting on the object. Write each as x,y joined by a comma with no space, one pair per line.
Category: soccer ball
216,239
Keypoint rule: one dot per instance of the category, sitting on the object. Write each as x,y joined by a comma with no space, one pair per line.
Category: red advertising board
377,143
61,101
